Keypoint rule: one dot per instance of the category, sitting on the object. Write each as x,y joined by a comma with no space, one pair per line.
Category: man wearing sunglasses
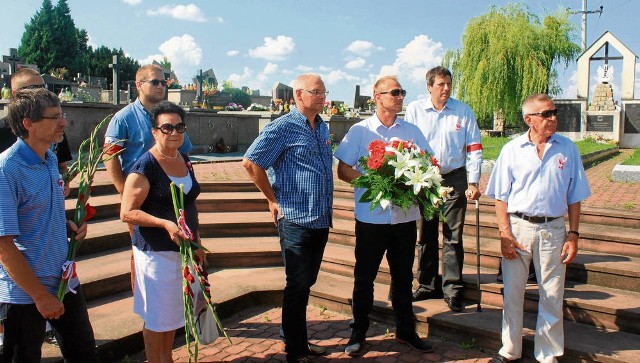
130,128
538,177
391,230
27,78
451,129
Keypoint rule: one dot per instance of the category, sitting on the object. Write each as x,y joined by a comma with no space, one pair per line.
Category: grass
491,147
634,159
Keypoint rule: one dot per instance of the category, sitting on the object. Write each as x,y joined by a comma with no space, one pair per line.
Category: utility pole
584,13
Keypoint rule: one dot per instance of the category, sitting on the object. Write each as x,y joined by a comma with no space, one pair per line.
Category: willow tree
506,55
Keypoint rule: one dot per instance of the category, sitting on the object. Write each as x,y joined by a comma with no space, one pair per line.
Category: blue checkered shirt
299,164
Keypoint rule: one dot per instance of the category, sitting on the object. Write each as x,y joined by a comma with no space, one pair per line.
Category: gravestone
600,123
569,116
632,118
282,92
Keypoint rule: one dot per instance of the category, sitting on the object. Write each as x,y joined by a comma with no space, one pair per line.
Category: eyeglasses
395,92
56,117
545,113
156,82
315,92
33,86
167,129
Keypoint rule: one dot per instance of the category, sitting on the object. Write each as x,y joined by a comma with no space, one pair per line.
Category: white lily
418,179
402,163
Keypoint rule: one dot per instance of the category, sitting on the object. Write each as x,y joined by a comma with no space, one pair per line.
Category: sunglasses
34,86
156,82
545,113
167,129
395,92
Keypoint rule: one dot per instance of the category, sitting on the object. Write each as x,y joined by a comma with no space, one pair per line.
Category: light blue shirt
300,167
355,145
535,187
133,123
32,211
453,133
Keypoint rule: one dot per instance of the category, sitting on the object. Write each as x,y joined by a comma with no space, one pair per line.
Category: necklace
166,156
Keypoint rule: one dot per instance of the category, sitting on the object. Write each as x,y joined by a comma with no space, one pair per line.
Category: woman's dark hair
29,103
165,107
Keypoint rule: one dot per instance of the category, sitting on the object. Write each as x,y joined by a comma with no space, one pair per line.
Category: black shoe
415,342
499,277
500,359
317,350
50,338
355,346
300,359
454,303
532,278
423,294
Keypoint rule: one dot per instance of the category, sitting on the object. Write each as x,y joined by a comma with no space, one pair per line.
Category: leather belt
534,219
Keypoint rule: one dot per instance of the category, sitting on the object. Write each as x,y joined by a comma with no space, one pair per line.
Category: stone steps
601,300
434,318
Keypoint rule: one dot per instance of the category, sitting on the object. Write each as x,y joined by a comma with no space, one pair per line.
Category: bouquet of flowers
190,267
85,166
400,173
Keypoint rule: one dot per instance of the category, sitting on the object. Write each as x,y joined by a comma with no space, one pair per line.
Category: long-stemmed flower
85,166
190,266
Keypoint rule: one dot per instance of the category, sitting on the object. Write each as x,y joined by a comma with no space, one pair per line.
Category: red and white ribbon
182,223
69,273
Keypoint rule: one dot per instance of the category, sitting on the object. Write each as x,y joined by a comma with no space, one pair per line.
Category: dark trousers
454,212
372,240
302,250
24,332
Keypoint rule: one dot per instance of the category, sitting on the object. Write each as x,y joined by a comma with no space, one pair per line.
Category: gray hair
531,99
29,103
300,81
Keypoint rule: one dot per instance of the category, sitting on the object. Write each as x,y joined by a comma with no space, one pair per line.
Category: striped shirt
453,133
32,211
300,167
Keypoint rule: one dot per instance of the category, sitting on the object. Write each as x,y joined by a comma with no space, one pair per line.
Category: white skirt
157,296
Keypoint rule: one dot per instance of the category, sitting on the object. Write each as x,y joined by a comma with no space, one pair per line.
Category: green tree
165,63
100,59
508,54
237,95
51,39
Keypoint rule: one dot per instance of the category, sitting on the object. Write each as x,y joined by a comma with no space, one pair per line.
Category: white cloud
233,52
336,76
132,2
570,89
188,12
220,19
355,63
362,48
413,61
274,49
184,54
304,69
239,80
268,70
324,69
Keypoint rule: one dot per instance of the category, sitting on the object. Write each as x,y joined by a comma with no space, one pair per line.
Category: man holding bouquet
384,228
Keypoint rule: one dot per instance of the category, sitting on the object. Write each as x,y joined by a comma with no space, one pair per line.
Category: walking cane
478,308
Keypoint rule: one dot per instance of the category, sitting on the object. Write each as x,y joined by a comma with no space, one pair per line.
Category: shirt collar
140,107
302,119
429,104
524,139
27,153
375,122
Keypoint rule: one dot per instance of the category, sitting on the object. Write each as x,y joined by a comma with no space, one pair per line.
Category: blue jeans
372,240
302,250
24,331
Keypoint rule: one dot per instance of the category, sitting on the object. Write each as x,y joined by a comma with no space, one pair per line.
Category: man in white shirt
451,129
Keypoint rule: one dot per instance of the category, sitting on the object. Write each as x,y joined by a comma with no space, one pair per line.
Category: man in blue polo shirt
33,237
297,149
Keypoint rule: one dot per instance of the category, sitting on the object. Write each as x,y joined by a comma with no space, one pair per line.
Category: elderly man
297,149
391,229
451,129
27,78
537,178
33,237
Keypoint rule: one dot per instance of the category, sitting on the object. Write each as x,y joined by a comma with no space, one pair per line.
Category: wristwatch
574,232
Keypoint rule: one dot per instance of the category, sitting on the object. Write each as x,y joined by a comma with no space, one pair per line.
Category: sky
257,43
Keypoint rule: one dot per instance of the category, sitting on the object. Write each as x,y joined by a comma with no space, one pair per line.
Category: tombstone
198,78
282,92
116,80
359,101
602,117
13,60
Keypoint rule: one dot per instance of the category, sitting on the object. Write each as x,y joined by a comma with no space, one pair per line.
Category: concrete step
118,331
243,252
232,202
582,342
600,300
